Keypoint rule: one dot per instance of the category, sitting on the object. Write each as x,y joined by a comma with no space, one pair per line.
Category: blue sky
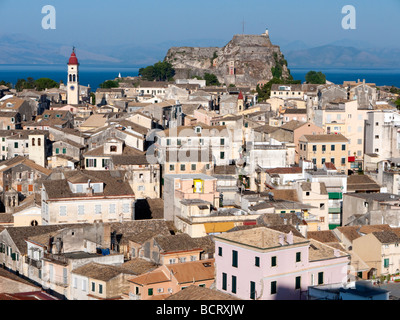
98,22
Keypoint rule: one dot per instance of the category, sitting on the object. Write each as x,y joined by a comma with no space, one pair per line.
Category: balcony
133,296
58,259
32,262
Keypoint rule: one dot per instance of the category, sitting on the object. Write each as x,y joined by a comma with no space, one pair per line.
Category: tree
211,79
7,84
45,83
264,92
160,71
109,84
315,77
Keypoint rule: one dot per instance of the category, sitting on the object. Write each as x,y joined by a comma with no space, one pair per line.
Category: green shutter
273,287
252,290
320,277
224,277
150,292
234,258
87,163
298,283
233,284
95,163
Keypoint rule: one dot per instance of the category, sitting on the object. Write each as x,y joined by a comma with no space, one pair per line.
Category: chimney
281,239
336,252
289,237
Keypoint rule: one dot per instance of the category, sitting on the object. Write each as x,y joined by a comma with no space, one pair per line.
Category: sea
95,75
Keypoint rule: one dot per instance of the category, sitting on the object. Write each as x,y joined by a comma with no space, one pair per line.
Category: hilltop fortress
244,61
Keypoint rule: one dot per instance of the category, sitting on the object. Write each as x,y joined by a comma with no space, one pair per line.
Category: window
91,163
323,148
273,287
111,208
150,291
252,290
39,142
332,147
171,261
179,142
125,208
93,287
386,263
16,145
97,209
194,166
298,256
234,258
222,155
320,277
222,142
314,148
224,281
57,150
64,150
343,147
171,167
63,210
273,261
33,141
343,161
298,283
81,210
183,167
333,160
220,251
257,261
233,284
322,160
322,206
100,288
168,142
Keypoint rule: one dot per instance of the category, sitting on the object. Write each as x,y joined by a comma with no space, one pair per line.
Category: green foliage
397,103
39,84
45,83
93,97
394,90
7,84
160,71
315,77
109,84
264,92
211,79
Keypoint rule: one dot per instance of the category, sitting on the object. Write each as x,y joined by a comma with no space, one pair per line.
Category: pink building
264,264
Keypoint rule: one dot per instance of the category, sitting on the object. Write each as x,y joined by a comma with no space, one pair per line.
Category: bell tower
73,79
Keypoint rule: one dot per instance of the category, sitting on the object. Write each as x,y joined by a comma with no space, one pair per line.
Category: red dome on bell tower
73,59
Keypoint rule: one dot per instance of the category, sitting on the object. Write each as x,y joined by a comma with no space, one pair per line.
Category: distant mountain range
20,49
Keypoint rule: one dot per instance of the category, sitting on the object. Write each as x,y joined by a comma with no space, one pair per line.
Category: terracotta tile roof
284,170
23,160
322,236
188,272
139,266
200,293
99,271
324,138
320,251
386,236
151,277
361,182
260,237
350,232
179,242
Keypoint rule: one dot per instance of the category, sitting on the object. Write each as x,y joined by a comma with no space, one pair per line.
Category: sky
150,22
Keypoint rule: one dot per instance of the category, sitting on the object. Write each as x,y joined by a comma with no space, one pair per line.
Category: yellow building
323,148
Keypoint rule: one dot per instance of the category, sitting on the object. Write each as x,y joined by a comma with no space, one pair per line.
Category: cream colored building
380,251
86,197
346,118
323,148
315,195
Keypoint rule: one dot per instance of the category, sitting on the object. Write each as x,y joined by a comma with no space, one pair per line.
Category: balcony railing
32,262
56,258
